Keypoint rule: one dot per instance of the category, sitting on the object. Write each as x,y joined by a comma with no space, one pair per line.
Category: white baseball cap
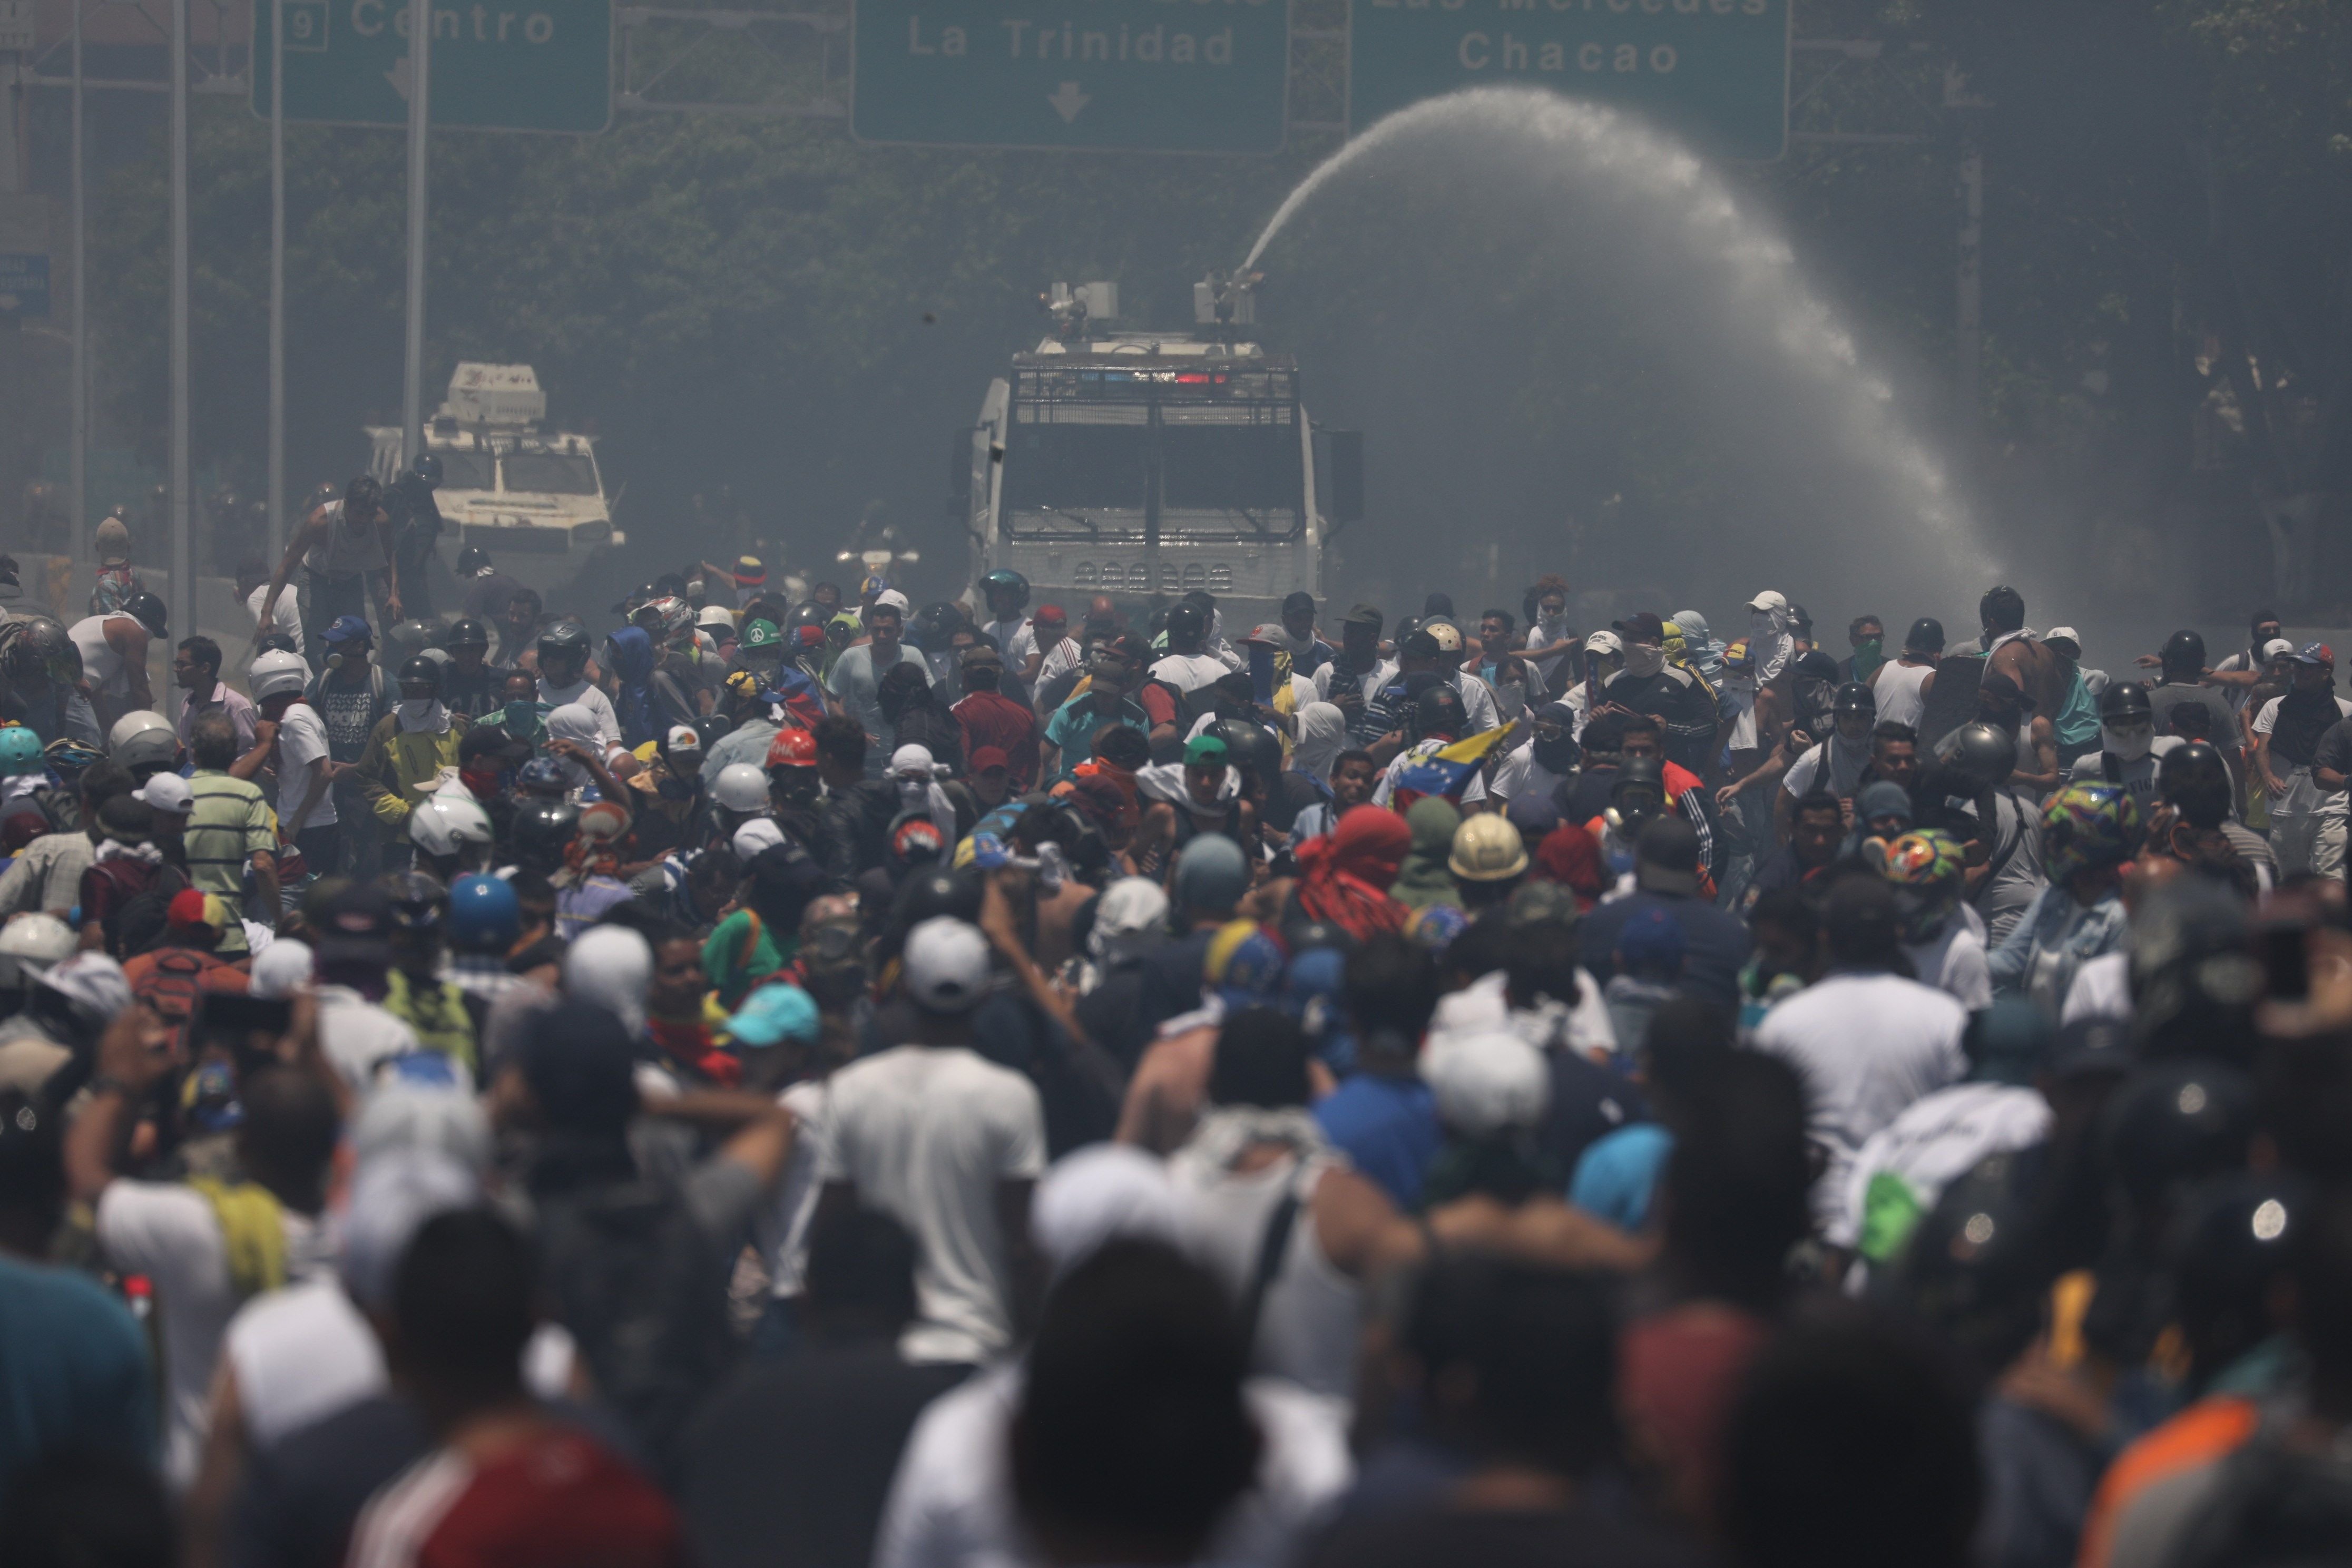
946,964
2278,647
891,599
165,792
1605,642
2063,633
1770,599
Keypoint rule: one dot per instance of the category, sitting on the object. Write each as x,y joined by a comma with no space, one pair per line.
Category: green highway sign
498,65
1714,71
1169,76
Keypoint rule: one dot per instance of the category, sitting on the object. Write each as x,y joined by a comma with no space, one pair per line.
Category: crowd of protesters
782,1076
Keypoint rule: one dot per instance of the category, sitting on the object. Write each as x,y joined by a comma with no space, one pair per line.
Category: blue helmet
484,916
20,751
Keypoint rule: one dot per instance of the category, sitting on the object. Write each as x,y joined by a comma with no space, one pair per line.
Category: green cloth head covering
1424,879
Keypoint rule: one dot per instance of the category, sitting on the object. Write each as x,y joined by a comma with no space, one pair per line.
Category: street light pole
183,578
420,79
77,474
277,525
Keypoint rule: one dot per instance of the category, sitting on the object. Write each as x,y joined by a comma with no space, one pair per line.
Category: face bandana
420,713
1868,656
2128,745
1642,660
522,716
1558,754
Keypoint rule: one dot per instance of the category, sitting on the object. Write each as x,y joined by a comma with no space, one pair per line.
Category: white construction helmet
740,786
278,672
445,821
142,738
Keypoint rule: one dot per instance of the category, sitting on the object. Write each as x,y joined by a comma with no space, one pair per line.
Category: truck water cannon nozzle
1075,309
1227,299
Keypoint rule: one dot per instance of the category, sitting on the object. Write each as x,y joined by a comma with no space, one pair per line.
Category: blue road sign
24,283
1171,75
1715,71
498,65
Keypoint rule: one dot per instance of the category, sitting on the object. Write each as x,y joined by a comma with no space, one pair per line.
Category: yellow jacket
400,770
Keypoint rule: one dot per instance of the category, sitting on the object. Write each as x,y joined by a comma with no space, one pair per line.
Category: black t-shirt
1450,1538
789,1464
1587,1103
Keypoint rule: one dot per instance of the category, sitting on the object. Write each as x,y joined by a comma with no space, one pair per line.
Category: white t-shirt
1901,690
300,1354
357,1036
168,1233
782,1232
2101,989
1365,685
1520,776
1013,638
1954,961
1477,702
1383,791
1189,671
1867,1045
951,1503
1060,659
853,681
286,617
608,723
926,1133
1844,771
1936,1142
301,739
101,663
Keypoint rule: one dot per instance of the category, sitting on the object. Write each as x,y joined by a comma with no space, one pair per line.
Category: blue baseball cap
348,629
773,1013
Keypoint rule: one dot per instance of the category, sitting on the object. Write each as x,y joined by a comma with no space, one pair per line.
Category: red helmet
793,748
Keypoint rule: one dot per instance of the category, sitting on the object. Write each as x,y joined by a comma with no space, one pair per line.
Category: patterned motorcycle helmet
1928,869
2088,825
70,757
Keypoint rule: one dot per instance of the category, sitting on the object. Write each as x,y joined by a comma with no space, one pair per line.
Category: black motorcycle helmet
1439,711
1972,1267
472,559
1855,697
148,611
2183,650
1926,636
421,671
417,898
1985,753
467,633
363,492
563,645
1187,623
1253,748
426,470
35,647
2195,780
2230,1250
2126,702
2174,1125
542,830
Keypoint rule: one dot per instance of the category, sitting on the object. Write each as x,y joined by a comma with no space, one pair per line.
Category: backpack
2272,1508
644,1292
